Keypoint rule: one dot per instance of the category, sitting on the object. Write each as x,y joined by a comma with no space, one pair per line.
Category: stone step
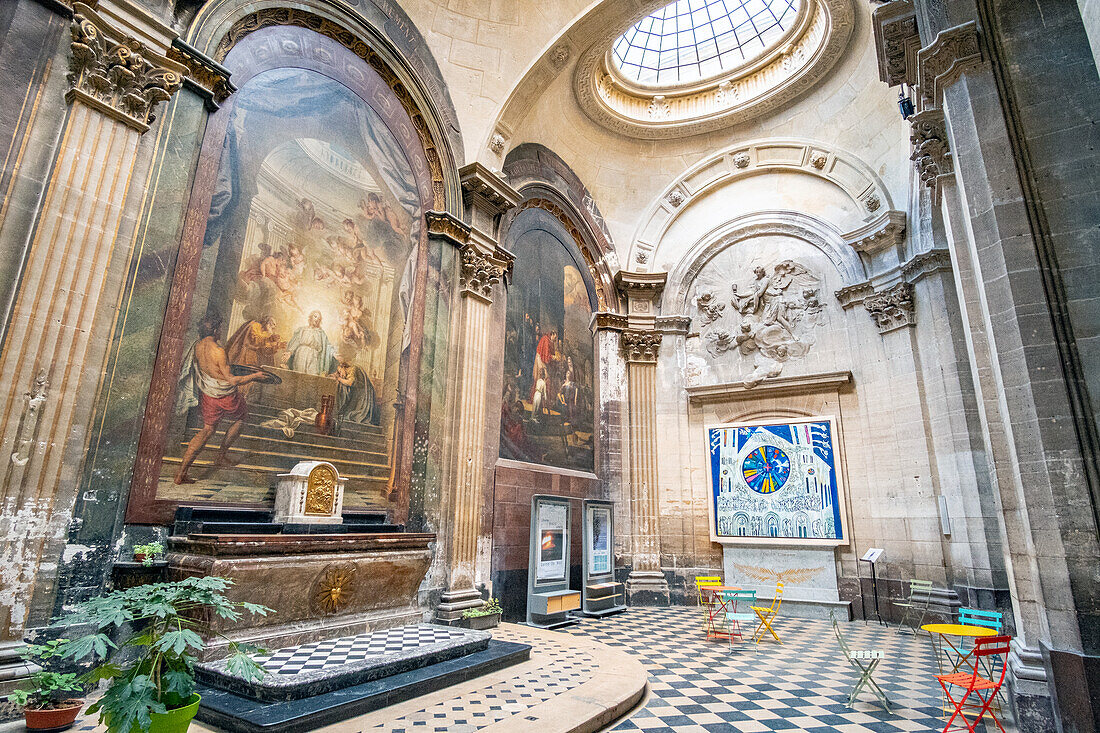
316,447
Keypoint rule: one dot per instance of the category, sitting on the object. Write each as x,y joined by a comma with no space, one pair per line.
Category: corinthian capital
892,308
479,274
640,346
116,73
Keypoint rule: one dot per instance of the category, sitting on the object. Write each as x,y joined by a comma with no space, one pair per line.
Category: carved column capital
891,308
640,346
897,41
479,274
931,150
117,74
943,61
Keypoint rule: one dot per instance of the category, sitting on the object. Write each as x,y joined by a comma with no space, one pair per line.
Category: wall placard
598,535
776,483
553,519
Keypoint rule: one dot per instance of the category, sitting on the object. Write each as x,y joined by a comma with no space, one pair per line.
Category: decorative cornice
677,325
773,387
641,285
447,226
926,263
854,294
897,41
607,321
640,347
931,151
944,60
885,232
205,75
486,190
891,309
117,74
479,273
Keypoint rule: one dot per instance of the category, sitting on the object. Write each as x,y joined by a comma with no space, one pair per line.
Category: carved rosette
479,274
117,74
931,151
640,346
892,308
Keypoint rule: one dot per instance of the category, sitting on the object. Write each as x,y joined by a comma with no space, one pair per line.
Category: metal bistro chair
856,658
767,615
988,620
731,616
983,689
706,599
917,603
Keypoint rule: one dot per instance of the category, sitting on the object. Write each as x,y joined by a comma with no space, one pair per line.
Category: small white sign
872,555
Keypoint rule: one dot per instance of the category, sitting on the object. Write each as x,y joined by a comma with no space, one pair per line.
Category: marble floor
593,676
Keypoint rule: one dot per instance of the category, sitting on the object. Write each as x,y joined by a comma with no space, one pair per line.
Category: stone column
483,266
639,344
118,73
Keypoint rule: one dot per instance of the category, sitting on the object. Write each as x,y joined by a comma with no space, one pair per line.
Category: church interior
574,365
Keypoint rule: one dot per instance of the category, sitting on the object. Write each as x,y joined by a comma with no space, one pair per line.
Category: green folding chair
916,606
734,617
863,661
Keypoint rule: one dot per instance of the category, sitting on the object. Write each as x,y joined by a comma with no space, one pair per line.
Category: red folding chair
983,689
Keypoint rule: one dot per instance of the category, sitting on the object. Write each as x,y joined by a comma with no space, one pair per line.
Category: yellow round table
963,631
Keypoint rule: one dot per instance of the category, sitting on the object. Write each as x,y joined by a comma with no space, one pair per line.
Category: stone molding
943,61
447,226
926,263
897,41
854,294
892,308
840,168
486,197
801,59
931,151
606,321
205,75
640,347
883,233
117,74
773,387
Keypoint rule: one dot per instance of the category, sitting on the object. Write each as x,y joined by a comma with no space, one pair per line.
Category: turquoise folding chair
734,616
857,658
978,617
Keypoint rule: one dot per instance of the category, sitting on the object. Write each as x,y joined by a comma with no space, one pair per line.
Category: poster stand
602,595
549,597
871,557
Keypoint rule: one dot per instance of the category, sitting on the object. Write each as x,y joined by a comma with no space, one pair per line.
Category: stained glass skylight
690,40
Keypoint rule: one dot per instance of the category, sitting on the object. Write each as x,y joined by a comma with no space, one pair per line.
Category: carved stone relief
892,308
769,322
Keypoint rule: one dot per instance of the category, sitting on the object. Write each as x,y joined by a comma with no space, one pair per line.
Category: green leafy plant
151,552
47,688
145,641
490,607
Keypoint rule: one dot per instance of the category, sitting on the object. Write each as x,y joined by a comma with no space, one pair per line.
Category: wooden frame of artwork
776,482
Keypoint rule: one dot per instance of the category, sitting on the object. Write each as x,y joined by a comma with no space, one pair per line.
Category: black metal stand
874,592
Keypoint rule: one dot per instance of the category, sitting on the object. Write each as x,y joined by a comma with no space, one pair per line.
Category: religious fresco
547,406
775,481
301,304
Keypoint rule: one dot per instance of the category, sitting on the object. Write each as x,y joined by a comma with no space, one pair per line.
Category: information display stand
549,598
601,594
871,557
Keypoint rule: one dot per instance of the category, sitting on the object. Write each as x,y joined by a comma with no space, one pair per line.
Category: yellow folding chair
767,614
706,598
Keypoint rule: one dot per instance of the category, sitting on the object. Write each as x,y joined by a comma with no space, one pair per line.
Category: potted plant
487,616
46,698
145,641
146,554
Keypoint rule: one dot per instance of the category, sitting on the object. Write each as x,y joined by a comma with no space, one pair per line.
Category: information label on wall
599,527
551,524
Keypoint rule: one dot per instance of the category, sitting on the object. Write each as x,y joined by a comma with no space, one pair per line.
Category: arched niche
830,184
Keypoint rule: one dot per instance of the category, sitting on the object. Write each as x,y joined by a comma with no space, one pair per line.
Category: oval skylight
692,40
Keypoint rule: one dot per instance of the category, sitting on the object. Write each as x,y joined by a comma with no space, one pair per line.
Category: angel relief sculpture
775,319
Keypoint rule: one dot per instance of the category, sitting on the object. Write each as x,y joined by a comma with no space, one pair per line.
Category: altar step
216,520
281,455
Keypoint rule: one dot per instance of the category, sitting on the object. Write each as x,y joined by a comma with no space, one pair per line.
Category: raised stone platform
313,669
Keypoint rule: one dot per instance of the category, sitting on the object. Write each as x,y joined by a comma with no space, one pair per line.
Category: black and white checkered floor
699,686
356,648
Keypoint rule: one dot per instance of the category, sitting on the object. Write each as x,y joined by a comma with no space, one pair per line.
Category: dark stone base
312,682
242,715
1034,714
1076,688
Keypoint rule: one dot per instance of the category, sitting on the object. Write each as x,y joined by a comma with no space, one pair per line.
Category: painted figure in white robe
310,350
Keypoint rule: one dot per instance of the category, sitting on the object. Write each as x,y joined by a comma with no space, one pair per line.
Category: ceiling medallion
799,59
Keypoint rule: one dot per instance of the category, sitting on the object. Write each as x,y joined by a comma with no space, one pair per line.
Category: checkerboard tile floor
355,648
700,686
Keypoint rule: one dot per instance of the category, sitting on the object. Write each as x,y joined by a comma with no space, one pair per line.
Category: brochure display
549,598
602,594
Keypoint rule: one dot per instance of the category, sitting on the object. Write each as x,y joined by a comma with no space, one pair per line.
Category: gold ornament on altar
332,592
320,491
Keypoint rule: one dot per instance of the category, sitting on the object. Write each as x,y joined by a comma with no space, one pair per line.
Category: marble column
119,72
483,266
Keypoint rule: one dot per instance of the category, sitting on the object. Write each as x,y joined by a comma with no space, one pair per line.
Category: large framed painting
776,483
547,402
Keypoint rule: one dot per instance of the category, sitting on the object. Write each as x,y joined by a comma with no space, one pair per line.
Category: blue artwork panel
775,481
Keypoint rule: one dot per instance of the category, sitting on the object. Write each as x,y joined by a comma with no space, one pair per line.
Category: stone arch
401,59
841,169
807,228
